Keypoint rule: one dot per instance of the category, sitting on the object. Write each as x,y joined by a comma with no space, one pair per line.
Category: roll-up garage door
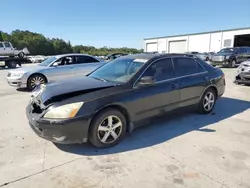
177,46
151,47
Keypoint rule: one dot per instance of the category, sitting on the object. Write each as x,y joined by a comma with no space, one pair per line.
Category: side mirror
146,80
55,64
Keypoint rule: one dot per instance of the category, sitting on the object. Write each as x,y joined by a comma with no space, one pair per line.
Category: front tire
35,80
107,128
207,101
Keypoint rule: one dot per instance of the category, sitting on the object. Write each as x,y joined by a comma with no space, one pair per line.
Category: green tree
39,44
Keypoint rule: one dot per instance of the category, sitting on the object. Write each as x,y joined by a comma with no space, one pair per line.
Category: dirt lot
188,151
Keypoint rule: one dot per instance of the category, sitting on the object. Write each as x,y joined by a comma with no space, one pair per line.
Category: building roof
181,35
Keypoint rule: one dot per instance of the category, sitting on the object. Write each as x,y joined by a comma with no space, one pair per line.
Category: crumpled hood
73,87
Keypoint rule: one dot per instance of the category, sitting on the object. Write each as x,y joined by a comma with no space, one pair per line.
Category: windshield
227,50
47,61
119,70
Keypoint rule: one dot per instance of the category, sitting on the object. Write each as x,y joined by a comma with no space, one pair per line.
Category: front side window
186,66
1,45
85,59
65,61
7,45
160,70
118,70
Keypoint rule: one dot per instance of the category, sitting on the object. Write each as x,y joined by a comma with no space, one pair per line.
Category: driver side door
61,69
157,98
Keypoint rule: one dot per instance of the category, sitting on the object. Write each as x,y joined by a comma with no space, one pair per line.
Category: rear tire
107,129
11,64
207,101
36,80
232,64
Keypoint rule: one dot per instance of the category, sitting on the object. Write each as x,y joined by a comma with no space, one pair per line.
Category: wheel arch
211,87
36,73
121,109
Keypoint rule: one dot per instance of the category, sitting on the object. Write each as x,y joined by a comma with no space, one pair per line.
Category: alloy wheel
208,102
110,129
37,80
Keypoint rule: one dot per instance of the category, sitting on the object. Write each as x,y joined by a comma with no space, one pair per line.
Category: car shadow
23,90
162,129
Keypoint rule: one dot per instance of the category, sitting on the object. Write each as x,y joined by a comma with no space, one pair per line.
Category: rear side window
161,70
85,59
7,45
185,66
1,45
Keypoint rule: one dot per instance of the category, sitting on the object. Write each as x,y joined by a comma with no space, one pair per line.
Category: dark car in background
113,99
204,56
231,57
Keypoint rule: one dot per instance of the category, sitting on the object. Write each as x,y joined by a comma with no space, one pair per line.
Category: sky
121,23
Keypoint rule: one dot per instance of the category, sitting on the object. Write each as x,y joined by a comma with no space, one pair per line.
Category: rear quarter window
184,66
206,66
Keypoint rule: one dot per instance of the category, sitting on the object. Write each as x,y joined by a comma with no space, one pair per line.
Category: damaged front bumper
59,131
243,75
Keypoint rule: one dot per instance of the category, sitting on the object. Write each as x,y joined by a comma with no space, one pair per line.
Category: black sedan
110,101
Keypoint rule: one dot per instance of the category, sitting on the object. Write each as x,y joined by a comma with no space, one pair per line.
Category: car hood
29,69
72,87
247,62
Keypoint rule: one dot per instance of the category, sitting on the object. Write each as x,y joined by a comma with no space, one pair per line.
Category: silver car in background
52,69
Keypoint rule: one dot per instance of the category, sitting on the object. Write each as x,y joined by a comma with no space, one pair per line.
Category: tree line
38,44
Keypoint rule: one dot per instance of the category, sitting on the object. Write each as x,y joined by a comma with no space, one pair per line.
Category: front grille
217,58
36,109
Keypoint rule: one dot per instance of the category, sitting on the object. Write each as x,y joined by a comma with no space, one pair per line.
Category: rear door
160,97
193,79
85,64
8,48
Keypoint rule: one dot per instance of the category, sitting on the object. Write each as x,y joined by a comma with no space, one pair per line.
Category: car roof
155,56
72,54
146,56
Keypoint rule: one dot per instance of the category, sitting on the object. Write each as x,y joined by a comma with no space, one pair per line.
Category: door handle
206,78
173,86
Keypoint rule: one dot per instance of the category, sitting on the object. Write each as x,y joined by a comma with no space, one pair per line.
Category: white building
201,42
